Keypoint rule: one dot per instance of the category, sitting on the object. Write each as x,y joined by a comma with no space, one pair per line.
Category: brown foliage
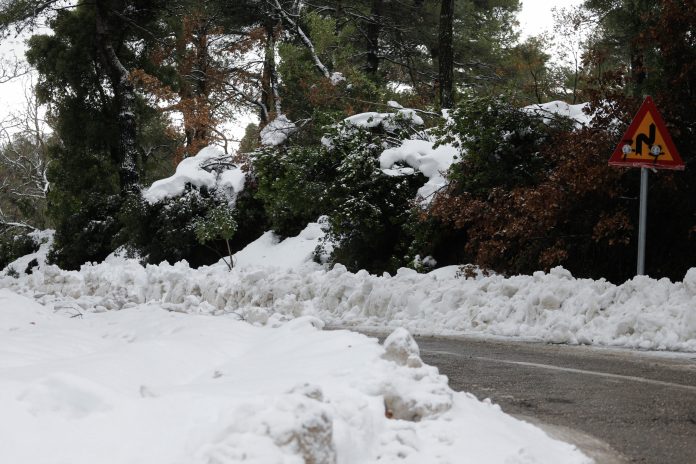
200,92
575,213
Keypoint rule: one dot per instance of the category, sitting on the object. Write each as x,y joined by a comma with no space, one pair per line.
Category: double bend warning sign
647,142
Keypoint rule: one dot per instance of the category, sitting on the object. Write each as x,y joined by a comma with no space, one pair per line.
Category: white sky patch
536,18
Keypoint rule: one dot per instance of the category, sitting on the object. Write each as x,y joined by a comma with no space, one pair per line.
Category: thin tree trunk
446,54
374,28
268,74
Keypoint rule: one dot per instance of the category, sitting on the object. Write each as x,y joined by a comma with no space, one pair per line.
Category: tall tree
446,54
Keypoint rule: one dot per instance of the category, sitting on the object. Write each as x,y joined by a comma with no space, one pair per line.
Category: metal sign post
647,145
642,220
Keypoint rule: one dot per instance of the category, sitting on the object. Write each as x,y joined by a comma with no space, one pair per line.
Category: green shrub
199,226
500,143
368,211
13,246
292,185
218,224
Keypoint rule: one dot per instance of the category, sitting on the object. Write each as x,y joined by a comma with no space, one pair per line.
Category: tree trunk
268,76
374,28
125,100
446,54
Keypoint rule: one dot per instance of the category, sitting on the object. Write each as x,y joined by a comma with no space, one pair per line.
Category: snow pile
422,156
270,251
277,131
558,108
642,313
144,385
210,168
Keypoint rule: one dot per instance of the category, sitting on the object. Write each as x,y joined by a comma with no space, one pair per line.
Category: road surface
619,406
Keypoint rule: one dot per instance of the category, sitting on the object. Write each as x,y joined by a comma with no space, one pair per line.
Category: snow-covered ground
120,363
123,363
147,385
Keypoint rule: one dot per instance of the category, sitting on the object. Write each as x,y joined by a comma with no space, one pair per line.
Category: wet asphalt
618,406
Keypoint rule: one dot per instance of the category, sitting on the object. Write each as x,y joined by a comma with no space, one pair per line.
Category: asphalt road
619,406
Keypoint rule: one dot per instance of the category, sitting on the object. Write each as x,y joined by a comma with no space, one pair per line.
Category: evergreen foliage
14,245
292,185
367,210
500,144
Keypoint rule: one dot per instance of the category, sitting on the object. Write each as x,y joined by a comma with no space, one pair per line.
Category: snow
337,78
277,131
372,119
551,109
45,240
276,279
420,155
217,366
194,171
146,385
270,251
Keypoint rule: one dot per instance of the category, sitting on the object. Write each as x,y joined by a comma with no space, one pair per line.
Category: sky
535,16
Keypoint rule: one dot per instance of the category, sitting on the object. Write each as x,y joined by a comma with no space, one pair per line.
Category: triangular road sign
647,142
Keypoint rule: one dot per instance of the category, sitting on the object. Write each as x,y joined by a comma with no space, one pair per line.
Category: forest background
128,89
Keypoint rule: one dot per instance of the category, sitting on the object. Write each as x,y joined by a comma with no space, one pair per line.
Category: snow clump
210,168
558,108
277,131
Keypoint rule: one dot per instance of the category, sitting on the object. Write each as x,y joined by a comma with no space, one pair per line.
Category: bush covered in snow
502,143
368,211
194,214
14,245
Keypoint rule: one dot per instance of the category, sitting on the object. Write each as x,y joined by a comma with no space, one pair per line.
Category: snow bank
210,168
144,385
642,313
291,253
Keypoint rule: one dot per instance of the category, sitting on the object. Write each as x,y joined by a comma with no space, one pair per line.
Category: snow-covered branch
287,17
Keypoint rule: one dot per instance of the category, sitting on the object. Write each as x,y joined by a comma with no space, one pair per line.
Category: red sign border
648,106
